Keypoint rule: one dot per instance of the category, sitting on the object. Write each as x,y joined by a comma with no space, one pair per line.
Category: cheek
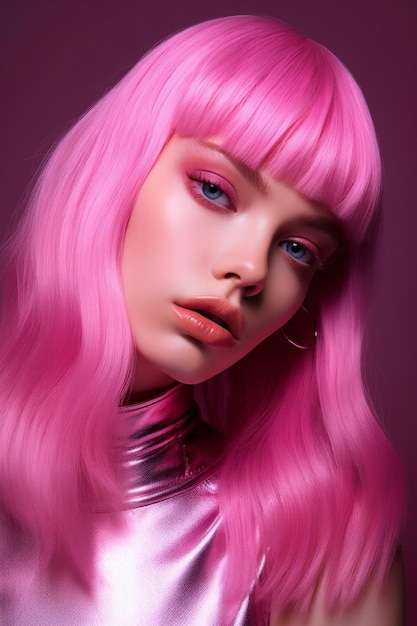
148,248
287,291
281,302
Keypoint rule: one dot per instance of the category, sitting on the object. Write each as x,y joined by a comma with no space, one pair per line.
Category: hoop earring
296,343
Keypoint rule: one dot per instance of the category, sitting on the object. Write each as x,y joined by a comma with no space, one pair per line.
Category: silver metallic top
166,566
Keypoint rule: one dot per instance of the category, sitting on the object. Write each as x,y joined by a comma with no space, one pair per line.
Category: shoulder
376,606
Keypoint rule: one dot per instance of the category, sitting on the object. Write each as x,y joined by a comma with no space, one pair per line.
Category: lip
198,318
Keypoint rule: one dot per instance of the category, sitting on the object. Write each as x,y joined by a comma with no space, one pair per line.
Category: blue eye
211,191
298,252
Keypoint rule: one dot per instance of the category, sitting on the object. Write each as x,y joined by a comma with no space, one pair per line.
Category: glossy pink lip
211,320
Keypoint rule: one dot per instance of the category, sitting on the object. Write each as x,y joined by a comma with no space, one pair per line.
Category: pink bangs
280,102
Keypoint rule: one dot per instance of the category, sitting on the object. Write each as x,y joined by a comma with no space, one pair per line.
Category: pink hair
308,471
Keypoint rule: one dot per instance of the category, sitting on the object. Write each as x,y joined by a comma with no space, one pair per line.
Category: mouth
219,311
213,318
210,319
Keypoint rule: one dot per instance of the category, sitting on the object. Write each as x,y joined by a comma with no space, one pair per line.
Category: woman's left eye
298,252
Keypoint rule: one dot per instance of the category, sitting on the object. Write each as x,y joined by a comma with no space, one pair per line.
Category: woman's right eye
210,191
213,192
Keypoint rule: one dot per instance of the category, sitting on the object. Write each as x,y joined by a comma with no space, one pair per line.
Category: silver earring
296,343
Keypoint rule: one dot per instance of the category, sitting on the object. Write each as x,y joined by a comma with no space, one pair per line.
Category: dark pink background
59,57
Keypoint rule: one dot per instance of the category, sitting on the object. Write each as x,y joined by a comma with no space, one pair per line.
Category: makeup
210,320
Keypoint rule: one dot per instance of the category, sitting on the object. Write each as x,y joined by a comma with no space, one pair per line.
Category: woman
195,227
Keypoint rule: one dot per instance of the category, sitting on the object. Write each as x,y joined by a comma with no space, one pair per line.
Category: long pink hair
308,472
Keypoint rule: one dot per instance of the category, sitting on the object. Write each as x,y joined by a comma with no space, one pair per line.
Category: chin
193,376
195,373
187,361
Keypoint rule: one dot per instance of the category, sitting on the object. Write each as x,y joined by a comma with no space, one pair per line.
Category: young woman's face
216,258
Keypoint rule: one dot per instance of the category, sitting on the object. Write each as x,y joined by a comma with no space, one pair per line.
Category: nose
244,264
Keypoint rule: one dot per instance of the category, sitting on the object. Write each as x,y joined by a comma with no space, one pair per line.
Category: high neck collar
169,449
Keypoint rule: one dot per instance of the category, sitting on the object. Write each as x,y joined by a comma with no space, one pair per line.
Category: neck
136,396
148,381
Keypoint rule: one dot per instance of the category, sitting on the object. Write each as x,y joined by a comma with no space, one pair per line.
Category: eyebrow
252,176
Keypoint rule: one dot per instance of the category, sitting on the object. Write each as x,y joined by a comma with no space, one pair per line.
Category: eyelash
197,181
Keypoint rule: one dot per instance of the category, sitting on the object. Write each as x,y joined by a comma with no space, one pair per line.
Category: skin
205,225
375,607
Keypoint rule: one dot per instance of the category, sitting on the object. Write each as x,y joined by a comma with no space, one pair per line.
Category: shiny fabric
166,566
